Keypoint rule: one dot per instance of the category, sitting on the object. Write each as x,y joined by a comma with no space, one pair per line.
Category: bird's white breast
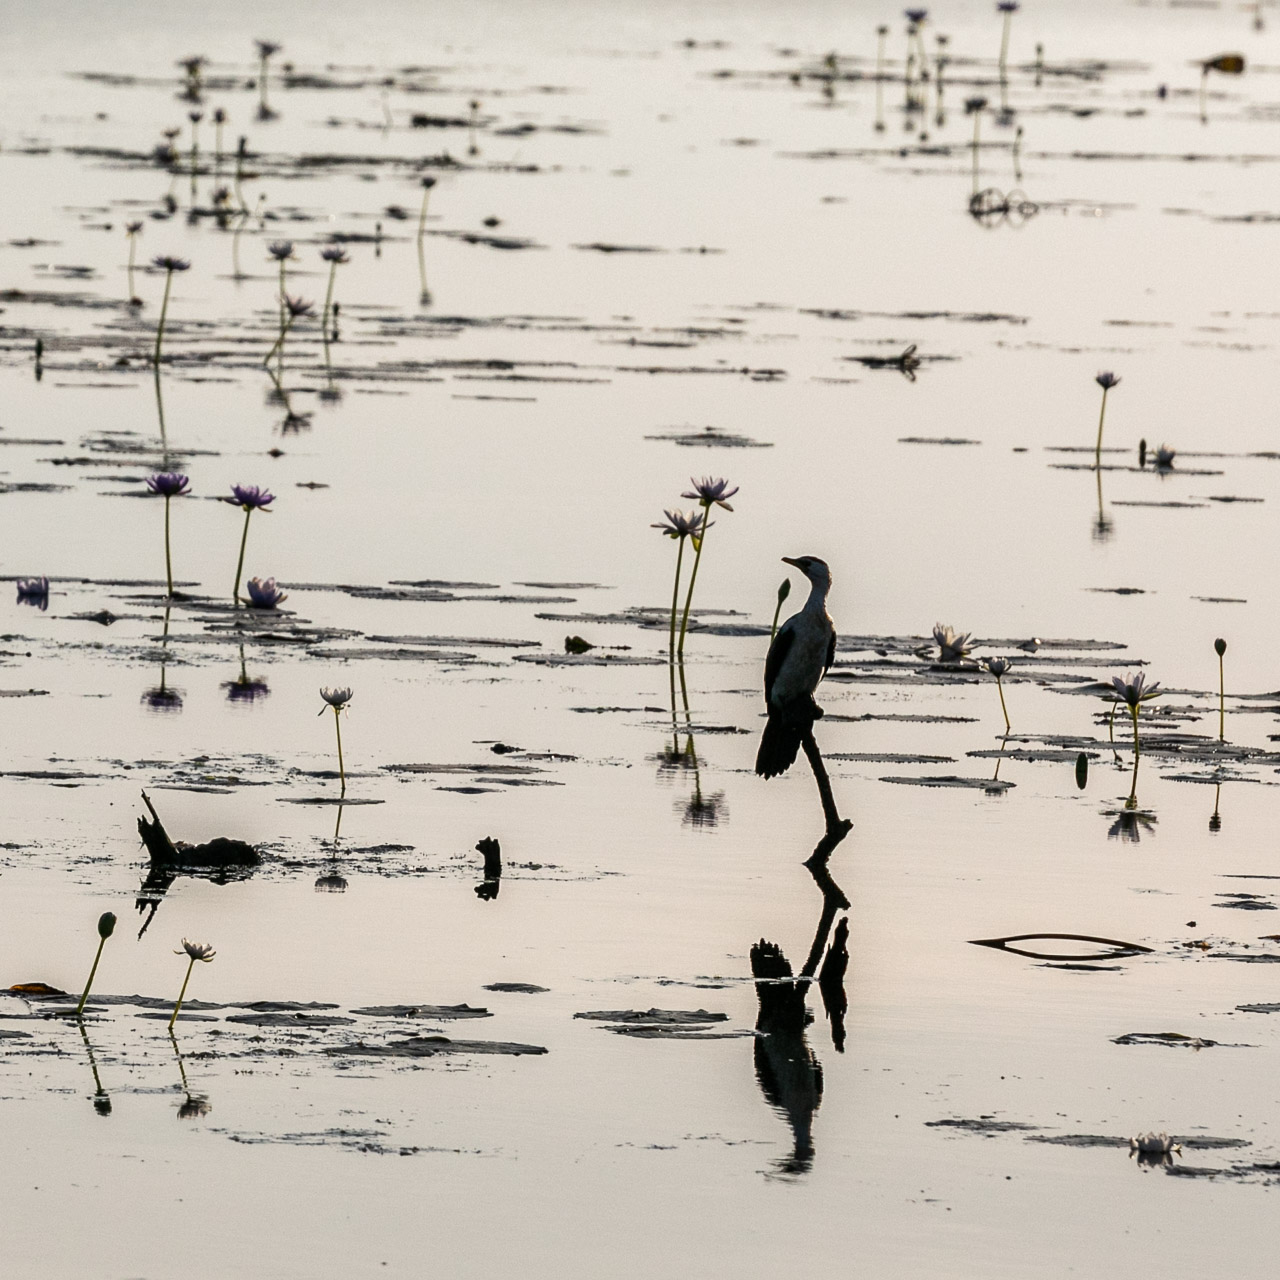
806,659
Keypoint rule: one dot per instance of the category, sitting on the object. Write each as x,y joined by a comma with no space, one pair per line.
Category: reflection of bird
799,657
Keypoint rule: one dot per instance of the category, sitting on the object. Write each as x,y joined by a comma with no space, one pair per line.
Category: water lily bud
106,924
1082,770
784,590
1220,646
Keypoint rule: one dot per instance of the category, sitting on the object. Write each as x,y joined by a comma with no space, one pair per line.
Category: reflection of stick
101,1098
1118,947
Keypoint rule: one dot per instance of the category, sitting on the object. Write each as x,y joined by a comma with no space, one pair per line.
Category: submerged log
219,852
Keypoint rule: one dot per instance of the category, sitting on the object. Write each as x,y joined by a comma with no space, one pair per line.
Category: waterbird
800,655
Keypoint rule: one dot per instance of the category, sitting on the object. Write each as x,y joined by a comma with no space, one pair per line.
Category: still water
648,220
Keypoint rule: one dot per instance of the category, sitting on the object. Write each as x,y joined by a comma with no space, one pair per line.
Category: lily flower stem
1097,453
1137,752
191,964
1111,728
342,773
282,261
286,323
675,603
182,1071
1000,690
684,697
244,538
1222,702
977,121
1004,44
422,216
164,307
102,942
168,561
700,542
328,299
164,438
133,245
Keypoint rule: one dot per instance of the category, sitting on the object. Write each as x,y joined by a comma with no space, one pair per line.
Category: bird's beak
789,560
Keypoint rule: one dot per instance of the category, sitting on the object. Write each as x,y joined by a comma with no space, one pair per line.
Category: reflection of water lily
243,689
196,1105
1129,825
1164,458
951,644
162,698
703,811
331,882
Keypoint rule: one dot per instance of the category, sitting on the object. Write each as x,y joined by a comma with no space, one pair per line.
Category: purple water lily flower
168,484
263,593
1134,691
165,262
35,592
678,525
999,667
1007,6
916,16
334,253
281,250
298,307
708,491
952,645
251,497
1106,380
336,698
266,48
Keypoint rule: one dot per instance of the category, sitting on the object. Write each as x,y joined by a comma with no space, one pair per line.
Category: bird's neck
817,601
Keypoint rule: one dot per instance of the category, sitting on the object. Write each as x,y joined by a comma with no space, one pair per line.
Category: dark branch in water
492,869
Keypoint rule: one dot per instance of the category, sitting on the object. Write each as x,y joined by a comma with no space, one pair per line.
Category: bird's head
814,569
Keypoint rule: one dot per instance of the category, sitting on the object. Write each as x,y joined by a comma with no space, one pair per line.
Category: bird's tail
783,734
779,746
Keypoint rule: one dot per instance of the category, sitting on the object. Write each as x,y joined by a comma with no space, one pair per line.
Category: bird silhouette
800,655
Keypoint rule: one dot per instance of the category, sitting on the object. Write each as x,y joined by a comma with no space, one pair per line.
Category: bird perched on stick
799,657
